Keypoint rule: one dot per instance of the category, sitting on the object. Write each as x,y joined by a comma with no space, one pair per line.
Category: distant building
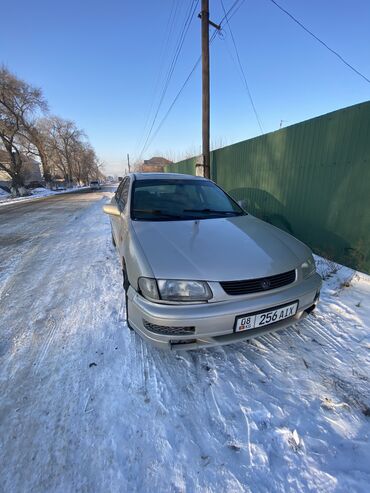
31,170
154,164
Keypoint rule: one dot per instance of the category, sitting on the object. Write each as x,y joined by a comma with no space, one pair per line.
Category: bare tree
63,140
68,152
86,164
36,143
61,147
20,104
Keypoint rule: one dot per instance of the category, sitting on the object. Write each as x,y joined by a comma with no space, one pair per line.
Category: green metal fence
311,179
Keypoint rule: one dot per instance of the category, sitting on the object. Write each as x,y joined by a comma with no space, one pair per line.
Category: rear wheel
126,285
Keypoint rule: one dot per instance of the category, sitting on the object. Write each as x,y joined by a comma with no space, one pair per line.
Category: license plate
255,320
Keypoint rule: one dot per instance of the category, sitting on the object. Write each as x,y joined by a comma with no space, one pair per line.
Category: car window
118,191
180,199
212,198
122,193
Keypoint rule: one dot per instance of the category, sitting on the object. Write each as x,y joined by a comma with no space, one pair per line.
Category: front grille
168,331
249,286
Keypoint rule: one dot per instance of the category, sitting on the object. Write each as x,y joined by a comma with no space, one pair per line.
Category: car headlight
308,267
172,290
175,290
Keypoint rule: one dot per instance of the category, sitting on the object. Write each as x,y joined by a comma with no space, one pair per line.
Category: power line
179,93
173,103
185,29
168,77
231,15
180,43
320,41
242,70
230,12
168,30
212,38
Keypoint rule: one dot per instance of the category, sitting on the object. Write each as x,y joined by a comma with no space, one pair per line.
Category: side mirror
111,209
242,204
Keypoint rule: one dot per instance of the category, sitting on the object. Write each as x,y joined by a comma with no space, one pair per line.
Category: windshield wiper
212,211
158,214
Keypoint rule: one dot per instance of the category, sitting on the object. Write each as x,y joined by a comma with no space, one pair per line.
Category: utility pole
128,163
205,89
204,15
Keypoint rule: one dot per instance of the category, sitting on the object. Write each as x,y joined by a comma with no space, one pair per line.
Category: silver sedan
200,271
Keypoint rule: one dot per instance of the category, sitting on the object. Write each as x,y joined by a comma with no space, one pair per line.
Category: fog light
183,341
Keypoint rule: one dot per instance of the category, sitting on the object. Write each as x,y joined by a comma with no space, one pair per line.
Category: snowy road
86,406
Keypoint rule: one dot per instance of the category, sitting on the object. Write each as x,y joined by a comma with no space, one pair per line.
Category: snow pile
40,191
88,406
36,193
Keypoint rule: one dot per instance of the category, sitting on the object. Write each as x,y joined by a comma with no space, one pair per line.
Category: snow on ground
87,406
36,193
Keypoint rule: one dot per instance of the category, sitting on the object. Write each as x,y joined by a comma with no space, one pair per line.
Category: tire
126,285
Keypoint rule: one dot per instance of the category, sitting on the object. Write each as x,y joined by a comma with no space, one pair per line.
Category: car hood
220,249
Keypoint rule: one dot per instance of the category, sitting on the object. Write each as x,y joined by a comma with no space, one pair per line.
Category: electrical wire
178,94
228,15
231,15
351,67
168,30
180,43
244,77
231,11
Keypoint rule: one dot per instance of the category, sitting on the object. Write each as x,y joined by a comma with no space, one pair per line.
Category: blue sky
99,64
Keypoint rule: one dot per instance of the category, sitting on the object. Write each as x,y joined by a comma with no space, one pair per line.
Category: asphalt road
29,231
15,210
26,227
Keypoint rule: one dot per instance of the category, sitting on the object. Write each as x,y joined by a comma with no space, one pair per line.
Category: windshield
166,200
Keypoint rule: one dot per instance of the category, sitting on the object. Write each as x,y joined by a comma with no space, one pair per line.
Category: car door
120,226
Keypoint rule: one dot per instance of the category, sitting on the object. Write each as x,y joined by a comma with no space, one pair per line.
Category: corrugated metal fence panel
311,179
186,167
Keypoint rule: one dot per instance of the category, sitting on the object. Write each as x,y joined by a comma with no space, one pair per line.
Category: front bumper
214,322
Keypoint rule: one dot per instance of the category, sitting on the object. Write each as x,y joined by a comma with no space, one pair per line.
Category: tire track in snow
51,329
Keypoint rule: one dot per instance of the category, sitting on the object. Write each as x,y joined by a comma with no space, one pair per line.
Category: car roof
165,176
